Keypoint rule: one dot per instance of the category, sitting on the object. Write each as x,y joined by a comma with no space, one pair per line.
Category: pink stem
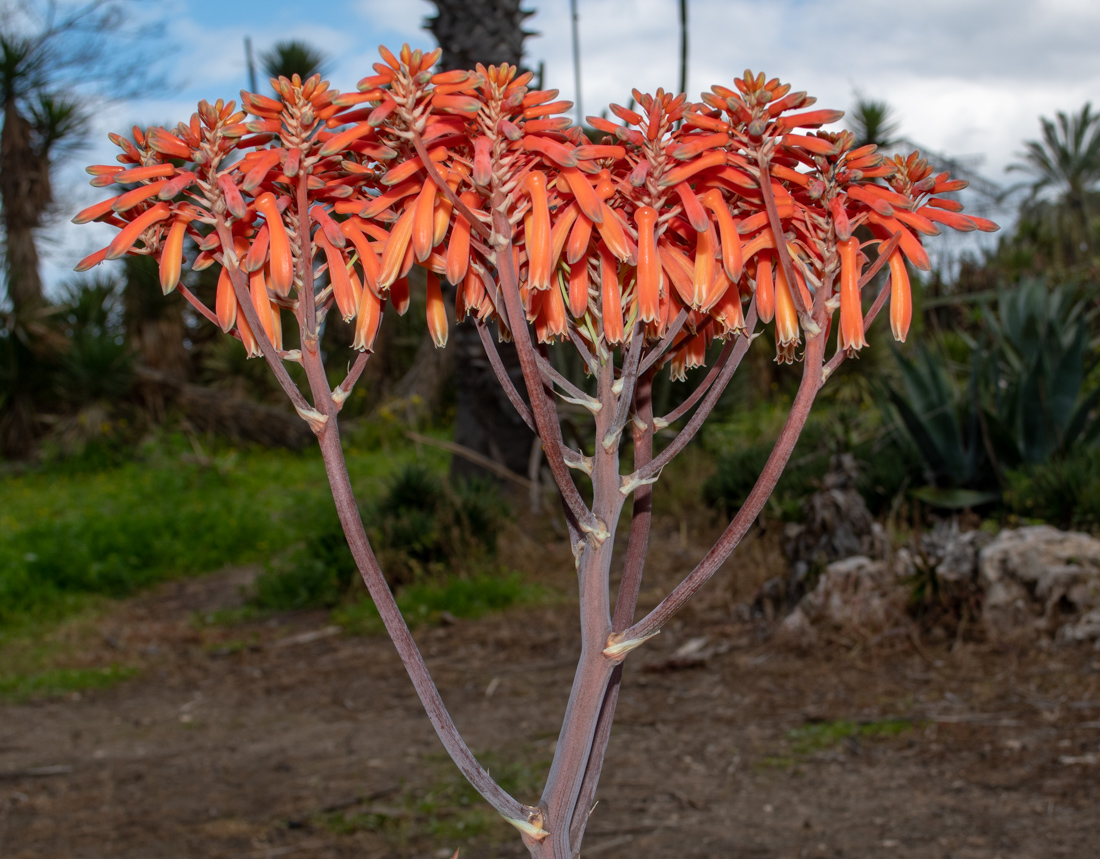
709,402
796,420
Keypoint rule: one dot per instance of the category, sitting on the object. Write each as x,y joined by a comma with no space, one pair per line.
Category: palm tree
294,57
1065,170
39,126
489,32
873,122
54,57
479,31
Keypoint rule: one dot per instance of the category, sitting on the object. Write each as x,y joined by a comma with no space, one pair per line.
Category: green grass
448,809
425,603
68,535
817,737
16,688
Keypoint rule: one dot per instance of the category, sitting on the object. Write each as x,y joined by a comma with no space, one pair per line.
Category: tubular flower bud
611,295
282,262
437,311
538,239
171,255
765,288
851,309
578,288
901,300
786,319
649,265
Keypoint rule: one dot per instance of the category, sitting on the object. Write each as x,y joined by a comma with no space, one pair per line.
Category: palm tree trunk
489,32
24,195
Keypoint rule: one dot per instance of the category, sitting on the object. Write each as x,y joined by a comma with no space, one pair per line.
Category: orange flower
649,264
437,312
851,309
901,302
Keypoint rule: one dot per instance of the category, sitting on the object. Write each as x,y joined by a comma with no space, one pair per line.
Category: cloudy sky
965,77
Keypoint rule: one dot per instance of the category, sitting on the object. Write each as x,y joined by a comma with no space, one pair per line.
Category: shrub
423,527
1064,492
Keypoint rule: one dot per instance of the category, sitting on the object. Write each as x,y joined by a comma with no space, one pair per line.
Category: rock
835,521
797,629
856,592
955,554
1041,580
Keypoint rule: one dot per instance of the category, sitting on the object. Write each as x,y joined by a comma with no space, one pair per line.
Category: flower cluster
667,228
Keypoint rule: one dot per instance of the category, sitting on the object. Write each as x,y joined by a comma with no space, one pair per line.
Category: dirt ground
282,737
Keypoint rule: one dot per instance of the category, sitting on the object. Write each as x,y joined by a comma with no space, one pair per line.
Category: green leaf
953,499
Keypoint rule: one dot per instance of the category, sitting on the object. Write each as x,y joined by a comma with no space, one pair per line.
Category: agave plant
1025,399
1041,363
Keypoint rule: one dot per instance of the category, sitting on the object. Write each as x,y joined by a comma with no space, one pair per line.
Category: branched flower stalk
688,223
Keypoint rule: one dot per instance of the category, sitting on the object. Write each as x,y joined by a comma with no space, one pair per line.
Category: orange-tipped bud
551,150
342,290
714,158
910,245
693,209
168,144
560,231
550,316
851,309
728,312
538,238
276,326
142,174
423,227
577,246
762,241
368,259
841,224
127,201
282,262
256,255
399,295
345,138
611,231
248,339
257,288
703,274
765,288
901,299
473,290
171,255
483,164
369,319
98,210
387,198
649,264
225,302
873,201
259,170
234,202
91,260
393,255
436,311
611,302
586,198
732,260
680,271
578,288
133,230
786,316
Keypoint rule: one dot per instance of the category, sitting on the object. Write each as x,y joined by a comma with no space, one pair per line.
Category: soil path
285,738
